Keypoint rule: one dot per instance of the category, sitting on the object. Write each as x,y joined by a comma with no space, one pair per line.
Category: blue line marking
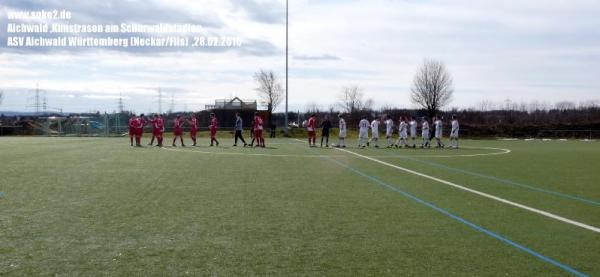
463,221
505,181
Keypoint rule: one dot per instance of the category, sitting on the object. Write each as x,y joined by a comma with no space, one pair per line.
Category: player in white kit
425,133
454,133
402,129
437,123
389,131
413,131
343,131
374,132
363,132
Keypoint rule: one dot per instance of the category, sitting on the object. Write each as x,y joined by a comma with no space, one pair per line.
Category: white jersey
375,128
402,129
425,129
438,128
363,127
413,128
389,127
455,128
343,128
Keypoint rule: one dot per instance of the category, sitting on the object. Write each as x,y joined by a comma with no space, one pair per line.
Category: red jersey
142,122
258,123
194,123
178,123
214,123
158,123
135,122
312,124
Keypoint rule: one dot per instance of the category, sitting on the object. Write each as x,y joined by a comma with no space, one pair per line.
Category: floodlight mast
286,66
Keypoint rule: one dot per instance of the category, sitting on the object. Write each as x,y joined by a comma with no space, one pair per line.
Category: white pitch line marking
502,200
502,151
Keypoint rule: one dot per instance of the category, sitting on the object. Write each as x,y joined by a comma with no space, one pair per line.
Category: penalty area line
486,195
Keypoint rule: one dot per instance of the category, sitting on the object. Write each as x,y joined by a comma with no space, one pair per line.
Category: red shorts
157,132
213,133
178,132
258,133
193,132
312,134
139,132
132,131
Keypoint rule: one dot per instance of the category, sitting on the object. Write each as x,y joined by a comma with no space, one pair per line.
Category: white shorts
342,134
363,135
454,135
425,135
438,135
375,135
403,135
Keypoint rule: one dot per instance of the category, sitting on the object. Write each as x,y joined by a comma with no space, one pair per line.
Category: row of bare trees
533,106
432,90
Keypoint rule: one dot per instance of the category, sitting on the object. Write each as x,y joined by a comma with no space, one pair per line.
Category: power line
45,104
121,106
36,99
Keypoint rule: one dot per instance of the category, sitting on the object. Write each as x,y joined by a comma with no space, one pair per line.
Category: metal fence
108,125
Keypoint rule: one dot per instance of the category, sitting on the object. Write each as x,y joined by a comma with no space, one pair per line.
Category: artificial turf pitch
96,206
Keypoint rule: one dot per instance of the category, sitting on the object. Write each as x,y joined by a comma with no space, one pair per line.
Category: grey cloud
262,48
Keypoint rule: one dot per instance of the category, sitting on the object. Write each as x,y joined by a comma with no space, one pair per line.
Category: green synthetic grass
96,206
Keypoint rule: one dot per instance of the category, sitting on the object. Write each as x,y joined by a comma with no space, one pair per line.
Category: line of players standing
405,127
137,124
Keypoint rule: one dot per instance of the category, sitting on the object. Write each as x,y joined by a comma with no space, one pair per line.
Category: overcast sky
496,50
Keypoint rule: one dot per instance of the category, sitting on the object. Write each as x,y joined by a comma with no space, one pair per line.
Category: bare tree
565,105
312,107
332,108
486,105
1,96
368,105
352,100
432,87
269,89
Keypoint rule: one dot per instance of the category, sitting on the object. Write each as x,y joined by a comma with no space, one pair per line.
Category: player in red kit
158,128
140,130
134,124
178,130
213,129
311,127
258,130
193,122
132,128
